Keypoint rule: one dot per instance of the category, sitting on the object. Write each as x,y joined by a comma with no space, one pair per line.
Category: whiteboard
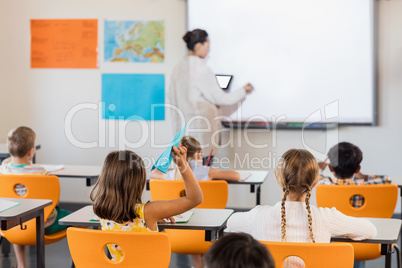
308,60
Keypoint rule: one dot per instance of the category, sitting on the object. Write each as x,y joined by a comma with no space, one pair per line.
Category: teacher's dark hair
195,36
238,250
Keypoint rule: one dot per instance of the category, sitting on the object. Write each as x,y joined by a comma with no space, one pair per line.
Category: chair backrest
314,255
38,187
141,249
215,192
379,200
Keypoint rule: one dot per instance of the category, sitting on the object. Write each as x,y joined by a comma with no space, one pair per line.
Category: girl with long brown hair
294,219
117,195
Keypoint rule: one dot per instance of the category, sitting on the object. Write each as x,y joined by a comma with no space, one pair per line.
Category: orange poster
64,43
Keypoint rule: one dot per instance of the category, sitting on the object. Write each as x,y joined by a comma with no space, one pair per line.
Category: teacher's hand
248,88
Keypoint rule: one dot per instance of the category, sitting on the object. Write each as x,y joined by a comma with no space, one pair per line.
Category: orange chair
215,196
314,255
379,202
38,187
147,249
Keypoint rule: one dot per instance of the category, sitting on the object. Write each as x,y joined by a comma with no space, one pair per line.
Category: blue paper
133,96
163,162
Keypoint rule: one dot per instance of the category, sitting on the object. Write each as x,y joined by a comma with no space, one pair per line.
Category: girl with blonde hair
293,219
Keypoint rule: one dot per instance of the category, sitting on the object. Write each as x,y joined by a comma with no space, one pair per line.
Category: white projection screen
308,60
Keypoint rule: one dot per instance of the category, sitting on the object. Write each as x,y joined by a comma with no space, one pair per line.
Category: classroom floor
58,256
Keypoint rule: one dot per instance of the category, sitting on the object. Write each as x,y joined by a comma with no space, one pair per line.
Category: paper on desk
52,168
5,204
184,217
244,175
163,162
94,218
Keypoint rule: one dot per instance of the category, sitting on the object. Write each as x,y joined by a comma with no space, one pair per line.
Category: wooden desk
388,231
255,180
89,173
4,152
25,211
212,221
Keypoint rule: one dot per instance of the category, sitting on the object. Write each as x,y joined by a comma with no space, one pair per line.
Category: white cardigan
196,92
264,223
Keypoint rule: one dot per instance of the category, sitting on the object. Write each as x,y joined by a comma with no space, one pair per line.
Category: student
293,219
238,250
21,146
117,195
194,159
344,163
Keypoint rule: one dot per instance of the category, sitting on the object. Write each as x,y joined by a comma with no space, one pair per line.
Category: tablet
224,80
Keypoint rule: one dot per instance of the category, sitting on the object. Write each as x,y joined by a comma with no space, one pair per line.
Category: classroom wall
42,98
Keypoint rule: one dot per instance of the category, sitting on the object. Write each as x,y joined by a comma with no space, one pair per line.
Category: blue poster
133,96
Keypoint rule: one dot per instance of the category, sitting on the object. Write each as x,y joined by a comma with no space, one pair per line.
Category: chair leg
398,255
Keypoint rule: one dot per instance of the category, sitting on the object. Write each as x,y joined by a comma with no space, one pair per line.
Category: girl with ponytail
294,219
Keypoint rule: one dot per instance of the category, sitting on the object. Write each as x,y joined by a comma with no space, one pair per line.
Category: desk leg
400,197
386,249
40,240
91,181
258,195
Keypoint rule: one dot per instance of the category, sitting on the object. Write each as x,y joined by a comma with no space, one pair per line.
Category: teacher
196,96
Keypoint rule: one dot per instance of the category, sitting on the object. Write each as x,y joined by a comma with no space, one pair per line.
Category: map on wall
134,41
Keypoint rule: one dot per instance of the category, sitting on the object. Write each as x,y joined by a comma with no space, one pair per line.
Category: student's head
119,186
21,142
344,159
197,42
194,150
297,173
238,250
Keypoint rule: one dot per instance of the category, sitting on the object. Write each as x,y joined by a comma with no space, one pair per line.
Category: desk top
396,179
203,219
257,177
388,231
25,207
77,171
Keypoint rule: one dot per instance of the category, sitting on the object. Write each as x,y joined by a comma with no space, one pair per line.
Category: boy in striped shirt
344,163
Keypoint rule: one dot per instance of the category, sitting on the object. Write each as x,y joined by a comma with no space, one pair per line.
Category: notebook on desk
52,168
244,175
5,204
184,217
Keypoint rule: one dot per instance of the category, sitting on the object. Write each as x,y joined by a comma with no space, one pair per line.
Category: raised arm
228,175
161,209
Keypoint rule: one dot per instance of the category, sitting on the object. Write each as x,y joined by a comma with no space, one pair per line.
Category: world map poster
134,41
